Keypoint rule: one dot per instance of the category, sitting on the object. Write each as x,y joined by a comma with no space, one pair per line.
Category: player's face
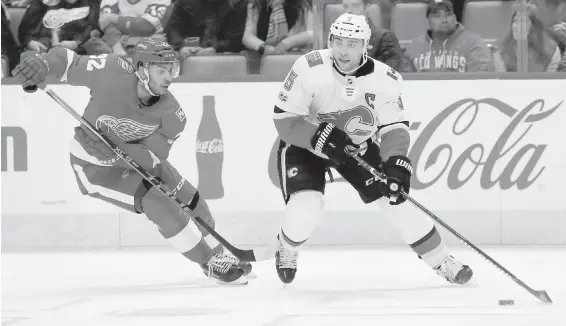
161,75
347,52
442,21
355,7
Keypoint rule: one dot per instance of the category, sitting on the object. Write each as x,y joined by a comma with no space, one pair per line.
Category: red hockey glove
95,147
31,71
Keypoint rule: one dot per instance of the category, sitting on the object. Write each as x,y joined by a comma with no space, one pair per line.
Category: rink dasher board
516,194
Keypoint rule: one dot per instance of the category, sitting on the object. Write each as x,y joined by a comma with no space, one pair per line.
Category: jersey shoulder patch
386,74
314,58
169,105
392,73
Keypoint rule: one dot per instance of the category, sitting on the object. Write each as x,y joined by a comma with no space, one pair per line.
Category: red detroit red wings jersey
114,102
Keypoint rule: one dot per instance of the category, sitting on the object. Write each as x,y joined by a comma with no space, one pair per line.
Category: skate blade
251,276
238,282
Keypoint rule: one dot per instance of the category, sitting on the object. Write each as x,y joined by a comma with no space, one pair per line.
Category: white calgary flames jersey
363,106
151,10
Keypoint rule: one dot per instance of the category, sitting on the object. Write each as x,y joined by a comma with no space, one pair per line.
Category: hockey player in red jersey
338,98
131,105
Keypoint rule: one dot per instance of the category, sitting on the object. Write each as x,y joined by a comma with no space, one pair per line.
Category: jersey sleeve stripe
279,113
70,59
391,126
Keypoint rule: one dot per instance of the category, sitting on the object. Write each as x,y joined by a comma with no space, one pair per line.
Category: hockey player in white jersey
337,98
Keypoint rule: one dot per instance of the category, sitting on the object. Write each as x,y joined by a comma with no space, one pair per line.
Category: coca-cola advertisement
209,152
502,148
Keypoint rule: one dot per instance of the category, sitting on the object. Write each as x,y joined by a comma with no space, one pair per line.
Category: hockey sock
188,238
417,230
176,227
431,248
201,210
288,243
302,215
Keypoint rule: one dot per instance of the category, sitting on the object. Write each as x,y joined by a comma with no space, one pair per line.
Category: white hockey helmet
351,26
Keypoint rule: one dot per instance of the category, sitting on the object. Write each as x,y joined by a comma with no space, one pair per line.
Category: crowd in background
259,28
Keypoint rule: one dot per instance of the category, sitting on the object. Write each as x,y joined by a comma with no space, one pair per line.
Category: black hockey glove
332,142
398,170
31,71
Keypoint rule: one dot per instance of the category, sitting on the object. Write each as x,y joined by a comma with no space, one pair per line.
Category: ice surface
334,286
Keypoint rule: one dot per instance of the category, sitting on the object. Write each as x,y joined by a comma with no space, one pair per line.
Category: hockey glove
398,171
332,142
31,71
95,147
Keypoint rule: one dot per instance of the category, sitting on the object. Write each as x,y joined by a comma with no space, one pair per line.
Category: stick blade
543,296
252,255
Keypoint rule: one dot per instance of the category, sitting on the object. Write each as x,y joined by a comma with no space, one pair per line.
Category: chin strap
364,60
145,81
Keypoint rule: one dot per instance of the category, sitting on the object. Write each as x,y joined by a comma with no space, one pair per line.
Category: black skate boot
454,271
246,266
224,270
286,263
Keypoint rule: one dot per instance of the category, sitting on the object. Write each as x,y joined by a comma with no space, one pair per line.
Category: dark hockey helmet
149,50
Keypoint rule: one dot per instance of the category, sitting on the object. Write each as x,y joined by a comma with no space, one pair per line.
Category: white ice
334,286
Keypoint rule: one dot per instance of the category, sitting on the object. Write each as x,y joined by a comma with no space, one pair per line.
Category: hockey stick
243,255
541,295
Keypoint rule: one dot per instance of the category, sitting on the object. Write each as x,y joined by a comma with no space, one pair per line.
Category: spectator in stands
383,44
553,14
219,25
543,52
279,26
49,23
125,22
447,46
10,48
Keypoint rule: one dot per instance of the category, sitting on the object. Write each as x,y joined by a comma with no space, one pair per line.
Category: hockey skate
453,271
286,263
246,266
225,270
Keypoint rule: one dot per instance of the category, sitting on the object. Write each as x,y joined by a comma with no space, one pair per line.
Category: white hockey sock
302,216
417,230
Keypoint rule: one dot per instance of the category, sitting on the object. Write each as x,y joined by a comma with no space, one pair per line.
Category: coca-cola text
477,155
210,146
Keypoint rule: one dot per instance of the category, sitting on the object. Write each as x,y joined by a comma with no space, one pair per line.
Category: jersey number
96,62
290,81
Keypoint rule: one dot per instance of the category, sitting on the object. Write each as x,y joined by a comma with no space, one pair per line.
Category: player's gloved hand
31,71
333,142
95,147
398,170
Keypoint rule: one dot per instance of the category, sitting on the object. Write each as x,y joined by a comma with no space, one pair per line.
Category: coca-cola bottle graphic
209,152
